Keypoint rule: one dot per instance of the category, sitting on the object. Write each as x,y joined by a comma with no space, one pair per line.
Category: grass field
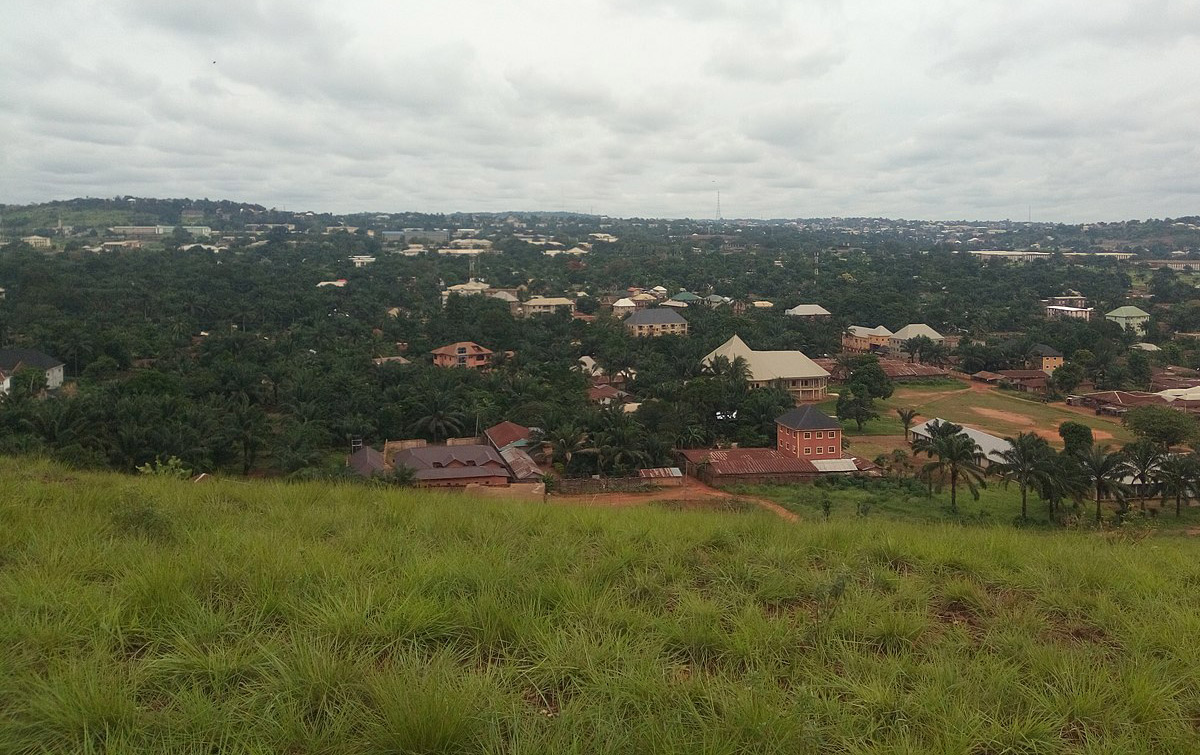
1002,413
156,616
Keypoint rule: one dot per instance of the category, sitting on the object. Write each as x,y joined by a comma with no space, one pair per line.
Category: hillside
150,615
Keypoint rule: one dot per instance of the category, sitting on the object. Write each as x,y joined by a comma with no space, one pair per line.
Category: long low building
991,445
750,466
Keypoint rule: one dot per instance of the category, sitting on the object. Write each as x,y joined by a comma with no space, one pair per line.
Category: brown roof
657,472
452,349
521,464
1024,374
1125,398
893,368
603,392
367,461
506,433
748,461
452,462
986,377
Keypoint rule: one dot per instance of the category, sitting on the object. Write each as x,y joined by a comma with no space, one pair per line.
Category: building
159,230
861,340
37,242
470,288
1063,312
540,305
463,354
991,446
454,466
623,307
508,434
1045,358
362,260
12,360
792,370
656,322
808,433
811,311
1129,317
911,331
1071,299
1026,381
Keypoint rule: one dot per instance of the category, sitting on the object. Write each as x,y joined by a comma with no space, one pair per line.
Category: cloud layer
937,109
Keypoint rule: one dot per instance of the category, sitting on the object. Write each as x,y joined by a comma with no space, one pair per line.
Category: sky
1055,110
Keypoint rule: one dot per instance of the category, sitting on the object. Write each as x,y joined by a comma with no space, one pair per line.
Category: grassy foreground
144,615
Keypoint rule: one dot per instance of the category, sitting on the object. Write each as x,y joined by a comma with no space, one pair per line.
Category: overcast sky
1078,109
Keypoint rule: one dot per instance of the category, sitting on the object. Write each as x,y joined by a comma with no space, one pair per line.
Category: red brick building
808,433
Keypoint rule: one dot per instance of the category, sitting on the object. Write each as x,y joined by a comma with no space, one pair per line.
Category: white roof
807,310
680,304
625,302
555,301
659,288
914,330
991,445
862,332
1064,308
768,365
1143,346
503,296
469,286
835,465
762,304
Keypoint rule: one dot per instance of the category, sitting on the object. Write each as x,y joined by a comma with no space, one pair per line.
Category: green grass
156,616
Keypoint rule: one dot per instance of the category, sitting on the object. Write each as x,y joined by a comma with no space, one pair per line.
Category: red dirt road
691,492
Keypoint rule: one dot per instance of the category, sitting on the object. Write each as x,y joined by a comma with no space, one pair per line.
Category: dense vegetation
236,361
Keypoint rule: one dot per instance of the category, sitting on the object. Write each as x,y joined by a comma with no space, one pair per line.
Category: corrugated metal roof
521,464
660,472
768,365
991,445
735,461
835,465
506,433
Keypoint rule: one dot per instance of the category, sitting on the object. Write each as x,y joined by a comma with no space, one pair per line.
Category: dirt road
691,492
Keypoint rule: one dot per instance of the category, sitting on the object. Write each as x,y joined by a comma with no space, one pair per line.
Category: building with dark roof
1045,358
454,466
368,462
808,433
505,434
12,360
656,322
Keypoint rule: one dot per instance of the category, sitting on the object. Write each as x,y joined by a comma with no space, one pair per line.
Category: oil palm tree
959,458
1141,463
1103,470
1065,480
1027,462
1178,475
907,417
438,417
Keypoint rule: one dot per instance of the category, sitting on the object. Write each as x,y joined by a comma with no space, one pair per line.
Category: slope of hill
152,615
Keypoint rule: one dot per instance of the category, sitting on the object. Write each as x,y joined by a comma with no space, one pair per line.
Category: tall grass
146,615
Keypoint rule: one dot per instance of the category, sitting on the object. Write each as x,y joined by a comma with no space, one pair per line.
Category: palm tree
1103,470
1141,463
1065,480
958,457
1025,462
1178,475
907,417
438,417
563,443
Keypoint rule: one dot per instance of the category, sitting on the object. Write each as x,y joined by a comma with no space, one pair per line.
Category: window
808,436
819,434
807,451
831,450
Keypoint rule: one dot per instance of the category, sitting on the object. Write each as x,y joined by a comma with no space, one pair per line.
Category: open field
1002,413
151,615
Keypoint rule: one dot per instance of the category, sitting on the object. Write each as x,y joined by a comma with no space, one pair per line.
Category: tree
1067,377
957,457
1142,458
438,417
855,403
563,443
1076,436
1103,470
907,417
1025,462
1178,475
1161,425
866,371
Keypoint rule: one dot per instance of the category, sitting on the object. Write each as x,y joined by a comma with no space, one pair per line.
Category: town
528,355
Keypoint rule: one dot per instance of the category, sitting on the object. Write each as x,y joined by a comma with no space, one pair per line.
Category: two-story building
656,322
463,354
808,433
1129,317
792,370
541,305
861,340
1045,358
12,360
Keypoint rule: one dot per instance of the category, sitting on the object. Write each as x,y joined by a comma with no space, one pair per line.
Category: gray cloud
942,108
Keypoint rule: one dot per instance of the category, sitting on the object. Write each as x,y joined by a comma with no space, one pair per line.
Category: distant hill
154,615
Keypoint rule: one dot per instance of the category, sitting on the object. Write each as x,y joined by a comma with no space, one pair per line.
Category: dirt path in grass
692,492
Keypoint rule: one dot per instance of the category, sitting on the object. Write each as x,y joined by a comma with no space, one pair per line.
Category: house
379,361
368,462
899,370
463,354
911,331
1070,300
1116,403
508,434
623,307
762,304
687,297
803,378
861,340
12,360
991,446
540,305
362,260
454,466
1129,317
656,322
339,283
674,304
642,300
37,242
471,288
1026,381
810,311
1064,312
751,466
714,300
606,395
1045,358
808,433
